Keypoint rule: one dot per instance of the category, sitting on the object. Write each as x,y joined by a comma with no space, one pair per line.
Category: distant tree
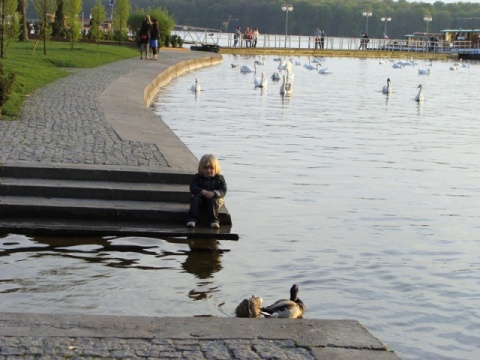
59,26
165,21
99,14
121,11
22,9
10,24
72,8
42,8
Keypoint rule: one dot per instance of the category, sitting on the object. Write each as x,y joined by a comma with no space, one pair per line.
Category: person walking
154,37
144,35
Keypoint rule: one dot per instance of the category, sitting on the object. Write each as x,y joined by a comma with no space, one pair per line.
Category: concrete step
35,197
93,228
94,173
95,189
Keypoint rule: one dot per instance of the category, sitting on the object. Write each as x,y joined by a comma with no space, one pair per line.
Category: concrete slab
318,339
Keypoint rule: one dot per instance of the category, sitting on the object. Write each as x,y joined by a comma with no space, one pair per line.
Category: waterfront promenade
99,117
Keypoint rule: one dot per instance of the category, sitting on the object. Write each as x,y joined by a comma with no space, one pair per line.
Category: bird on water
292,308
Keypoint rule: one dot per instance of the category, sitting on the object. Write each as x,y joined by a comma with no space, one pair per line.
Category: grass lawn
34,70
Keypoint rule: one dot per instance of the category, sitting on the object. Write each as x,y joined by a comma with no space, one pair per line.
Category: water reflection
202,260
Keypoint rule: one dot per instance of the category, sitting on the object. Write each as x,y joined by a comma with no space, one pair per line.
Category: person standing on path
322,39
144,35
317,35
237,36
154,37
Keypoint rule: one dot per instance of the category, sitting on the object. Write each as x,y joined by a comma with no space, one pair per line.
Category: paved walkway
98,117
68,121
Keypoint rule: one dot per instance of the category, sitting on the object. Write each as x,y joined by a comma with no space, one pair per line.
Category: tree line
336,17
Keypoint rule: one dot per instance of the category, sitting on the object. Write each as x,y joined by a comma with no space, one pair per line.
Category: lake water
369,202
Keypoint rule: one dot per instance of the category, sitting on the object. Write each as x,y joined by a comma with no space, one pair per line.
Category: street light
287,8
427,18
367,14
386,19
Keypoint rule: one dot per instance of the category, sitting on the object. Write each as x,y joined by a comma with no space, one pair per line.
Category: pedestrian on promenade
237,36
144,35
208,188
363,41
317,35
255,37
322,39
154,37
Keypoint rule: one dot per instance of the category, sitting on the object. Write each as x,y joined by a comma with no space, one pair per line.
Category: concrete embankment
47,336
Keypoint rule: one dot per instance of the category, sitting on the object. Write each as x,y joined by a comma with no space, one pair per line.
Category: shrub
6,84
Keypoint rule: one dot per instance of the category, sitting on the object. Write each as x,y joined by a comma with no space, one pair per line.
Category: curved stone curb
177,70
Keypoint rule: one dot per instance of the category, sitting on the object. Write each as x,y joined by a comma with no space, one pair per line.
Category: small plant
6,84
173,40
166,41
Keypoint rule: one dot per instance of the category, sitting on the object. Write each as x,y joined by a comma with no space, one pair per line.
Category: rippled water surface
369,202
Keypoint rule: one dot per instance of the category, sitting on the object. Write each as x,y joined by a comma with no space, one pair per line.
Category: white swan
196,87
310,66
248,68
290,76
387,89
287,88
420,96
324,71
398,65
298,62
282,65
423,71
261,81
276,76
260,61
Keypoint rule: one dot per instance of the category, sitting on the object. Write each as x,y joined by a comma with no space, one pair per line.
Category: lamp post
287,8
367,14
427,19
386,19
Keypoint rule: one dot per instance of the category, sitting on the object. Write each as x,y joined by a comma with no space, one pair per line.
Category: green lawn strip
34,70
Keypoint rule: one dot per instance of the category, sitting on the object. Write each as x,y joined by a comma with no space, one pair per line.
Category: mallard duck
249,308
292,309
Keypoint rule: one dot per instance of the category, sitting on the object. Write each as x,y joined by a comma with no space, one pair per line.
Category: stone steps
37,199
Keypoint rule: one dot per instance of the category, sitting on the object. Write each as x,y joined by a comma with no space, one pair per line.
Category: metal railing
198,36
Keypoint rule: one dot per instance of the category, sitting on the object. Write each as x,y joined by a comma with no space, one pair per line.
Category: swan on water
311,67
419,96
261,81
387,89
423,71
276,76
260,61
196,87
287,87
324,71
248,68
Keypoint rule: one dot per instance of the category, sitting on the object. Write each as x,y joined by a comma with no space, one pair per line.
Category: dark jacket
154,33
144,32
216,184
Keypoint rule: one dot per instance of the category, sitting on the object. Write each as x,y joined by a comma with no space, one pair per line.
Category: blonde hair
147,18
209,159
